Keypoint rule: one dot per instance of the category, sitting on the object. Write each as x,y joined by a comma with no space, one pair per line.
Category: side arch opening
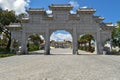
35,44
87,44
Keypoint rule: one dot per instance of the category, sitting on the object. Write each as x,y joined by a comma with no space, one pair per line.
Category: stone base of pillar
75,52
100,52
18,52
23,52
47,53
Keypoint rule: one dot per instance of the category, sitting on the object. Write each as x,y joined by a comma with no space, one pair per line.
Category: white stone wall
16,35
105,35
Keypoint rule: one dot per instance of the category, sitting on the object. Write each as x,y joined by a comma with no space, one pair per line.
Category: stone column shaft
24,43
75,41
99,44
47,42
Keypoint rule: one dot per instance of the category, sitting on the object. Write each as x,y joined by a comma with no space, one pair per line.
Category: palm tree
82,40
87,38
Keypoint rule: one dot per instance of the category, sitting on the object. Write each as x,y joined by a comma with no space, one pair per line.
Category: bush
114,52
6,55
41,47
33,47
87,49
3,50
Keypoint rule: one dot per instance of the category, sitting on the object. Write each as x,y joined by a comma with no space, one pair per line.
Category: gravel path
60,67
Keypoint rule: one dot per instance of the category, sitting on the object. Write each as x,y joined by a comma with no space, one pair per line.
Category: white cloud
49,12
84,7
74,3
72,12
61,37
17,5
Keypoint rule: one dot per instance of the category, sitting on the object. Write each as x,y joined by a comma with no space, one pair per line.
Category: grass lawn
5,53
2,55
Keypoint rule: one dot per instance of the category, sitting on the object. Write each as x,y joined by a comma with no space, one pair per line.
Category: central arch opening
61,42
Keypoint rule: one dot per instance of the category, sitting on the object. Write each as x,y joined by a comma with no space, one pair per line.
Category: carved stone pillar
12,39
99,44
95,37
95,47
47,42
24,44
75,41
11,46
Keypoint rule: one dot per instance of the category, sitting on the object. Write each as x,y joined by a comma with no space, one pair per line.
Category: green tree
116,35
20,17
82,40
86,39
36,39
7,17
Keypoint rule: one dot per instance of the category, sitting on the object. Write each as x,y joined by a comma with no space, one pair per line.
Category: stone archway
83,21
61,42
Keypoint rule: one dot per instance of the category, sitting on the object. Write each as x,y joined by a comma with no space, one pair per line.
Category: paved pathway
60,67
61,51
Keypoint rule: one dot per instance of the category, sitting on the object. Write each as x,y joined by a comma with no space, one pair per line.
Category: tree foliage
116,35
7,17
36,39
87,38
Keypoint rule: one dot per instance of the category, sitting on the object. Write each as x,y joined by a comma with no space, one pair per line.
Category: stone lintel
36,11
61,7
25,20
98,19
14,28
108,26
86,10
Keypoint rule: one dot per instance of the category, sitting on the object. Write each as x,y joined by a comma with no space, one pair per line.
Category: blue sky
109,9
